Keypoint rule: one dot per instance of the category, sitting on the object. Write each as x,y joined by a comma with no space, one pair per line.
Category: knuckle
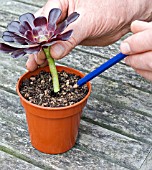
73,42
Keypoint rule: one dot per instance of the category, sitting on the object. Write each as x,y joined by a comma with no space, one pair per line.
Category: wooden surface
116,125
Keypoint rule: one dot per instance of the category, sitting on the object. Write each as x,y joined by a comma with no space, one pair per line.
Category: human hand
100,23
139,48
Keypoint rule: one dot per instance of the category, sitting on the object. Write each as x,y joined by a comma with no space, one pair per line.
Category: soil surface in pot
39,90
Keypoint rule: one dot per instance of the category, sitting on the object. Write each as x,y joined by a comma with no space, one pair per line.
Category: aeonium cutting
36,34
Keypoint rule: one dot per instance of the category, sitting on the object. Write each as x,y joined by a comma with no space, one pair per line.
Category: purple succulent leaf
54,15
51,27
14,27
29,35
32,50
7,36
7,48
12,37
18,53
22,30
26,25
65,36
49,44
28,17
40,22
61,28
72,17
37,31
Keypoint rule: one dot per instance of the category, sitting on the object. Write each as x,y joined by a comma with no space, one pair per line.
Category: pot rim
53,108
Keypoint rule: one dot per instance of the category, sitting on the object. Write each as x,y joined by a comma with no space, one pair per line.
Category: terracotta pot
53,130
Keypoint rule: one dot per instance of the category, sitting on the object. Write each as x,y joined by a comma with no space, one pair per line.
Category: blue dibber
101,69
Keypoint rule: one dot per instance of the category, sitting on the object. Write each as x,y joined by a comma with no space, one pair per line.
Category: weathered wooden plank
10,76
94,139
119,119
148,162
108,144
33,2
77,160
6,18
17,8
8,162
122,95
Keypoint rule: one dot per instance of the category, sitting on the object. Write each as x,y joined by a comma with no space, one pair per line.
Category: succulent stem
53,69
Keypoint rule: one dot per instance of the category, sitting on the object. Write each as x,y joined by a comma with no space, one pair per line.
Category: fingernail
58,50
125,48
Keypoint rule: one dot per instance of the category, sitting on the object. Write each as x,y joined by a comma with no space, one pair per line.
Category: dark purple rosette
35,34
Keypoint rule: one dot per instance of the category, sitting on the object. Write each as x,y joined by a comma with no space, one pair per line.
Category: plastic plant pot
53,130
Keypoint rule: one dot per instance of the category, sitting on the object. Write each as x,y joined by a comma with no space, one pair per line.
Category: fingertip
31,64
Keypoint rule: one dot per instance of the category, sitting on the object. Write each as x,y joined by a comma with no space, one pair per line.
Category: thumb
137,43
62,48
